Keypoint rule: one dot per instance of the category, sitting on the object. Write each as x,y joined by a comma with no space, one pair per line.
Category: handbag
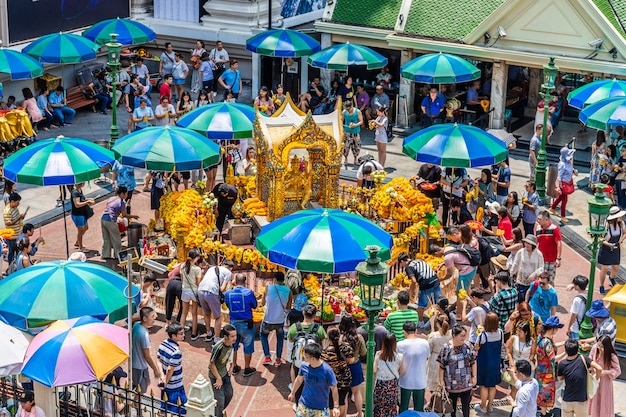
88,212
567,187
219,291
440,402
592,381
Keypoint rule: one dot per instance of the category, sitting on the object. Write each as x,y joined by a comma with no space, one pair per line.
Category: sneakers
267,361
236,369
553,211
602,290
187,328
478,409
613,282
564,220
208,338
194,337
278,362
248,371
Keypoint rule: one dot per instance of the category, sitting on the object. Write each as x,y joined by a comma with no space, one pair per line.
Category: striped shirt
607,327
504,304
170,355
10,216
396,319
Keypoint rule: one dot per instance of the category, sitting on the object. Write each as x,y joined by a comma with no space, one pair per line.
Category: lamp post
372,276
549,75
599,208
113,54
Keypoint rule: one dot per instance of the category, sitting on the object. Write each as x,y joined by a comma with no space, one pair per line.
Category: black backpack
472,254
486,251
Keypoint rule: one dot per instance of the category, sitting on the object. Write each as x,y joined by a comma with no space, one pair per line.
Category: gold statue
297,181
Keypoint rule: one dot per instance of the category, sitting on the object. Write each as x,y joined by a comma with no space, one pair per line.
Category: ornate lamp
372,276
113,55
549,76
599,208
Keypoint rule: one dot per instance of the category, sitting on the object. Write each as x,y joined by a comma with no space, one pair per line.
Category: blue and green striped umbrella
455,145
168,148
42,293
129,32
220,121
322,240
57,161
342,56
605,113
62,48
282,43
593,92
19,66
439,69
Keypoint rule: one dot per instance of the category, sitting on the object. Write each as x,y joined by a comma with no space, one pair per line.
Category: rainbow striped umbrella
57,161
40,294
342,56
593,92
322,240
75,351
224,121
454,145
129,32
282,43
169,148
604,113
19,66
439,69
62,48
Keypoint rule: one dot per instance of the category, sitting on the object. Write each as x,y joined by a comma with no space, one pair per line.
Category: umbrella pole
129,313
67,242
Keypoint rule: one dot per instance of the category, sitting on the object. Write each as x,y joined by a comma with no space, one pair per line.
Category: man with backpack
422,276
241,301
542,297
579,284
302,334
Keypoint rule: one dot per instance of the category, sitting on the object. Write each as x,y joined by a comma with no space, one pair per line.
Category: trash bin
551,181
135,234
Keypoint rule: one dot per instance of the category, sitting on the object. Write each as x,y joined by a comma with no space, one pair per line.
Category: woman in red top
504,223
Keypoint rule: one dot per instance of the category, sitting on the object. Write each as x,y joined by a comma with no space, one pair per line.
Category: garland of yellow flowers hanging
398,200
189,214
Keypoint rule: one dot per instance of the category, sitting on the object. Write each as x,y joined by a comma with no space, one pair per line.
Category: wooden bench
76,98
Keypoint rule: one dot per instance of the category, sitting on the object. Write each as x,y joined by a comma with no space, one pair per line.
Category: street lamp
372,277
599,208
549,76
113,54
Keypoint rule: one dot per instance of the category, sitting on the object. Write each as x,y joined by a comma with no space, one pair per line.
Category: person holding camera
241,301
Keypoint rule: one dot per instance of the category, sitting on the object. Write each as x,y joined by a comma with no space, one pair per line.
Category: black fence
97,399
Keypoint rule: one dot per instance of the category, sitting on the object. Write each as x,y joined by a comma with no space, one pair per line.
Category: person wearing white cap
564,181
610,252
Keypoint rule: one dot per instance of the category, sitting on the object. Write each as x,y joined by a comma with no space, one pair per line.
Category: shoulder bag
592,381
195,293
219,285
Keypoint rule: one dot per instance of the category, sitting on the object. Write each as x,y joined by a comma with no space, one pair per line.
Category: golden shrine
298,160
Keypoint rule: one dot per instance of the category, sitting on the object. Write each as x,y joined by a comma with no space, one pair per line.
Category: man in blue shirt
543,298
530,204
231,79
141,357
63,113
241,301
502,182
28,230
380,99
44,104
432,106
124,176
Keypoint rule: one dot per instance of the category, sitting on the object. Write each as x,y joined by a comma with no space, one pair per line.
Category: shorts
550,268
430,295
188,296
304,411
381,137
357,374
179,81
465,280
343,397
155,198
245,336
210,304
186,175
79,221
208,85
173,397
141,378
294,316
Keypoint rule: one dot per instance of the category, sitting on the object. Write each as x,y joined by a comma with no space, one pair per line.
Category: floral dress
598,164
546,375
386,389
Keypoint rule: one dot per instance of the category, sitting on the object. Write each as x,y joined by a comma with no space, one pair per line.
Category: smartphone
506,364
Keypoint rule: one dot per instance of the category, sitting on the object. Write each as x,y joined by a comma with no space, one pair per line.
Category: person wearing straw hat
527,265
603,322
610,252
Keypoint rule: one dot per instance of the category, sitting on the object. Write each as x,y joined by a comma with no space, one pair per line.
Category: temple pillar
498,94
404,100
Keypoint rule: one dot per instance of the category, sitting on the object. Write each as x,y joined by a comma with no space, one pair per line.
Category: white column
200,401
304,75
405,98
534,87
326,76
45,399
498,94
256,73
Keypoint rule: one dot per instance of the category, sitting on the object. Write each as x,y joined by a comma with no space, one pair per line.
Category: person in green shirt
220,368
396,319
